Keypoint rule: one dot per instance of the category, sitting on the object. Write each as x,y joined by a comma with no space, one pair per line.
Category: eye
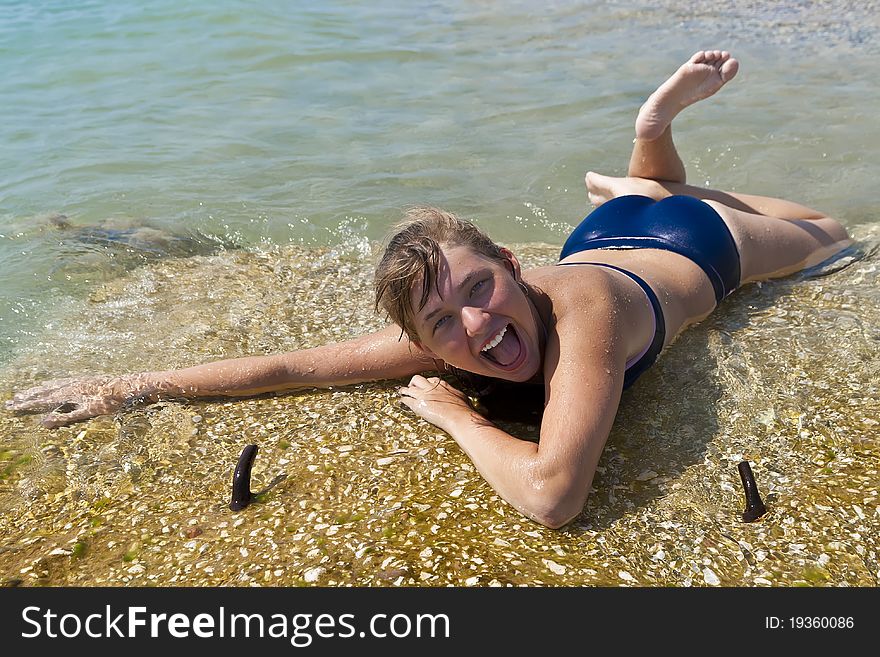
479,286
440,323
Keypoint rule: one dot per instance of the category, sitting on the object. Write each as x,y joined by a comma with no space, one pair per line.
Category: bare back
682,288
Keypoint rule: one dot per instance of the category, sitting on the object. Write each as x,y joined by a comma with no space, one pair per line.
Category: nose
474,320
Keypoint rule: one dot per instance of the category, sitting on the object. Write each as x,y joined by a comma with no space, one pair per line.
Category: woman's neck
542,312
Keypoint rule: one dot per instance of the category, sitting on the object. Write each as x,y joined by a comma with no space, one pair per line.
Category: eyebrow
461,286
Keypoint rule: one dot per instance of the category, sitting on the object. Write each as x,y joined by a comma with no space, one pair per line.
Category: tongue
507,351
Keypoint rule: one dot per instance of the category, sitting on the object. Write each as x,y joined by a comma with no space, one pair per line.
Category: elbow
557,518
555,521
554,490
555,507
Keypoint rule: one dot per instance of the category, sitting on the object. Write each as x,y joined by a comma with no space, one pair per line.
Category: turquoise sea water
248,124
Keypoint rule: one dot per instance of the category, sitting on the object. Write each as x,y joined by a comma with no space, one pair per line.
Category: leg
774,237
770,247
604,188
657,159
654,155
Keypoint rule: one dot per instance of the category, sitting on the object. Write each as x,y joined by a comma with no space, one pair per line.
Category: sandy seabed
366,494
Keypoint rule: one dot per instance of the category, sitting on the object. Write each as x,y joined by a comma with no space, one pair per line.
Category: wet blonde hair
413,255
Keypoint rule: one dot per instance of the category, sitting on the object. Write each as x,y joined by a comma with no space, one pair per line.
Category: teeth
496,340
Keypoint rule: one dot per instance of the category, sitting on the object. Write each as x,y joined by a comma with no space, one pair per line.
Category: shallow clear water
181,183
315,123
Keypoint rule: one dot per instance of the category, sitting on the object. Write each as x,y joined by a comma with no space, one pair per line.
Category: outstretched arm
371,357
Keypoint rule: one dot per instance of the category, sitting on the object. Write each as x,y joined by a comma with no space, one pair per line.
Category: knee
836,230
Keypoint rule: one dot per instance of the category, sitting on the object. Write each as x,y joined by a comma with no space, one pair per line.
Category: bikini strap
650,355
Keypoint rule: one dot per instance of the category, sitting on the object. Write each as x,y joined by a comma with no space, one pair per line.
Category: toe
729,69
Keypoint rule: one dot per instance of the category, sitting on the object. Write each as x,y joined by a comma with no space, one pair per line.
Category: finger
39,397
50,394
32,401
59,418
412,392
49,386
445,385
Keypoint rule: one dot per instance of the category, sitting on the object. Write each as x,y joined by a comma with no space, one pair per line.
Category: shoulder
579,294
571,282
588,311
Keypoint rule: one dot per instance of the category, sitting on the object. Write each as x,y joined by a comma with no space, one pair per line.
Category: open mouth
504,349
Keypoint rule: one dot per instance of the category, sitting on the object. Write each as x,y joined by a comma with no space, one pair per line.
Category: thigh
771,246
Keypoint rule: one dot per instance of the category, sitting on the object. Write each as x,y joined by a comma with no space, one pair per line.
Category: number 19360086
809,622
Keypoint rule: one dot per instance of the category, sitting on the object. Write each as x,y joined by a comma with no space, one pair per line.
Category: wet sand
784,375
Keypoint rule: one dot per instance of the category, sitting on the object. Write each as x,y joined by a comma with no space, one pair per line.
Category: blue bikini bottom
682,224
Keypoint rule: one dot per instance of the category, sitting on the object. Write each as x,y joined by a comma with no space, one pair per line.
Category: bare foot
698,78
601,189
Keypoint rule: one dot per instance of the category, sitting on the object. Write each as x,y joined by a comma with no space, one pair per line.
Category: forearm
517,470
380,355
546,482
237,377
368,358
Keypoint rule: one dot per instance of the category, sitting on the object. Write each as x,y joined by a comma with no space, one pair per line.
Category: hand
72,400
436,401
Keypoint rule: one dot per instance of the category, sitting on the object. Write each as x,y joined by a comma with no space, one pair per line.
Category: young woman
655,256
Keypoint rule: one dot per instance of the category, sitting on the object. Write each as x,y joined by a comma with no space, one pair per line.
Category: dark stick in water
754,505
241,480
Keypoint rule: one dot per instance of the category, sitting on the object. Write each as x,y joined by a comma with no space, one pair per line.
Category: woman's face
481,321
